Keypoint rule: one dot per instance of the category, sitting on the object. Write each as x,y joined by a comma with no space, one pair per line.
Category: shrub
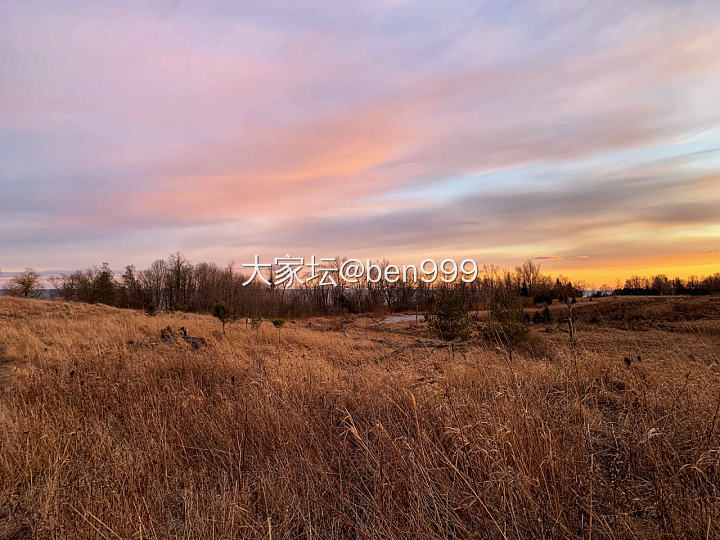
255,323
278,323
507,322
224,313
451,318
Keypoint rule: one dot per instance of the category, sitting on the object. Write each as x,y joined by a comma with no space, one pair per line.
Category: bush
224,313
508,323
451,318
278,323
543,299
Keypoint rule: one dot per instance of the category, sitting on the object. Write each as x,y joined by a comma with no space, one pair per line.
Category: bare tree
529,273
26,285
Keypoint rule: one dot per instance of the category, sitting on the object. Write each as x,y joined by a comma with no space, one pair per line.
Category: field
343,428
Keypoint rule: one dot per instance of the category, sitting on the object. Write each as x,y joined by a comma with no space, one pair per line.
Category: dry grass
643,313
106,432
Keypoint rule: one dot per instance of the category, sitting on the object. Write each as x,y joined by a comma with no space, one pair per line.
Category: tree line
176,284
660,285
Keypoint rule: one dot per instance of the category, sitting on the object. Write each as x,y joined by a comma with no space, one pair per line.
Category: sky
582,134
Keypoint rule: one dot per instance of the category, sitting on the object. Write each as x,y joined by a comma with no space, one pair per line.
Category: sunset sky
585,134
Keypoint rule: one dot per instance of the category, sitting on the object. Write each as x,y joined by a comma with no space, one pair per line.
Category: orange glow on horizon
610,275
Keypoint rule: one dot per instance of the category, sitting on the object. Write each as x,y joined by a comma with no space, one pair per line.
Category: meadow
339,427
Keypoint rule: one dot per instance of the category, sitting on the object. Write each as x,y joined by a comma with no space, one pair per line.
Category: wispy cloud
392,128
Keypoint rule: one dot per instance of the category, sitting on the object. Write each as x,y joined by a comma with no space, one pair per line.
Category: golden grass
106,432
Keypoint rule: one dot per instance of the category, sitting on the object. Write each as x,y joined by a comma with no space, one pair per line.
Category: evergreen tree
451,318
524,290
104,286
223,313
